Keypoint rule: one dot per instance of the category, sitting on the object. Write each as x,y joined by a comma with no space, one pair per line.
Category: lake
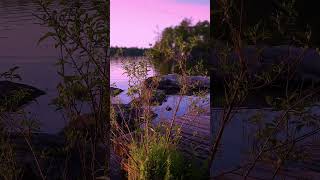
119,79
41,72
19,34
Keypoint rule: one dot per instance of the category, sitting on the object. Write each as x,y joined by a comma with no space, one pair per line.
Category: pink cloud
137,22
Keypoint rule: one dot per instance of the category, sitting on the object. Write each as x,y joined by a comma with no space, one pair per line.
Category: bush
160,159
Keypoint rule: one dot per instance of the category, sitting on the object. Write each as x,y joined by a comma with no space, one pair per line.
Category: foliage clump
160,159
183,40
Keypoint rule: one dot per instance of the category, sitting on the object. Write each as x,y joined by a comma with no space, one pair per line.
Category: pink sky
136,23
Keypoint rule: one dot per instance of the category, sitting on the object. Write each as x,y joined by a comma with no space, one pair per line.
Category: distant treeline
127,52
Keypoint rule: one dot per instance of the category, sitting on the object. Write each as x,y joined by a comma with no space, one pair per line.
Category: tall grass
149,150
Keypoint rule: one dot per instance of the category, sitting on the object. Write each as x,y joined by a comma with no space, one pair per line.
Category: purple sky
137,23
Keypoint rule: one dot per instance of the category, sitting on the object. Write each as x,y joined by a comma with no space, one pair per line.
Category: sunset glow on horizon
137,23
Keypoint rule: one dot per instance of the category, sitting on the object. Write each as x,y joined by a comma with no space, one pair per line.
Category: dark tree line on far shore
127,52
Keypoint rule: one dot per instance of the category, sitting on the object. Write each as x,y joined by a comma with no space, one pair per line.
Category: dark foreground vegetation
186,41
122,141
249,72
294,17
80,31
117,141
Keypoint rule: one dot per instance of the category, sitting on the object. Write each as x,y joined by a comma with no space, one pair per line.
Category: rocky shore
51,148
171,84
303,65
262,59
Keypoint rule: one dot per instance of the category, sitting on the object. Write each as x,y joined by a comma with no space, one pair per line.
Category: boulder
261,59
171,84
17,95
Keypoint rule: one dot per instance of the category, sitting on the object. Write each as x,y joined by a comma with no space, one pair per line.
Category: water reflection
21,31
119,78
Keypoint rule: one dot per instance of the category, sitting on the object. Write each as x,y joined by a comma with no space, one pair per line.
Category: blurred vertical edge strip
108,90
211,73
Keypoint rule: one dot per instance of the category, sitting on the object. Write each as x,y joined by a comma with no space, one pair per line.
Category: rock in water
13,95
171,84
115,91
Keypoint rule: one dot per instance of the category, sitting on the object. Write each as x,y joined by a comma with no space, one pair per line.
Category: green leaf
269,100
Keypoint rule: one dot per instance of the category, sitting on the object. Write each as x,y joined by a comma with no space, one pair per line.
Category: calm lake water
120,80
19,33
